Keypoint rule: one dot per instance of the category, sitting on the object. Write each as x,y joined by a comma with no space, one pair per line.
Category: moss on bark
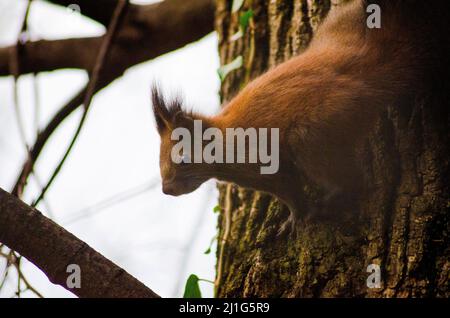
401,221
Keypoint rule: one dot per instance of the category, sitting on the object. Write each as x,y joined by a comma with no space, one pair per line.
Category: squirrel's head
179,173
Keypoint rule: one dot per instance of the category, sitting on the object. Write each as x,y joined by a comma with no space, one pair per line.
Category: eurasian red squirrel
324,102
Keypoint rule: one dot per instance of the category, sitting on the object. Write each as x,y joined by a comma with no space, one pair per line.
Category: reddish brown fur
324,102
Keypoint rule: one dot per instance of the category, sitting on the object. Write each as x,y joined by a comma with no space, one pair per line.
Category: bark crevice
400,221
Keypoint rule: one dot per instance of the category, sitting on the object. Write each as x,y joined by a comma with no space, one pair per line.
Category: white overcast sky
158,239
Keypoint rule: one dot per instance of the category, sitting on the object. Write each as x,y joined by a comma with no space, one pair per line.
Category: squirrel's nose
168,188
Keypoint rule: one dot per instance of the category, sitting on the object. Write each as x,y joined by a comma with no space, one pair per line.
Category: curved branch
52,249
42,139
45,55
90,89
148,32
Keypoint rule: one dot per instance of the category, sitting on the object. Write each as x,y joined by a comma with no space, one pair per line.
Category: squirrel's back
326,99
348,63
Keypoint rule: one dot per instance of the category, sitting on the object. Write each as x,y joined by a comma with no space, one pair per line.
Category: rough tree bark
402,221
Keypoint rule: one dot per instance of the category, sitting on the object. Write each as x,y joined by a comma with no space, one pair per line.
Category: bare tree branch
52,249
47,55
90,90
149,31
111,201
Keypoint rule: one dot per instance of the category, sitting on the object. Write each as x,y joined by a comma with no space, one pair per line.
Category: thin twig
101,57
37,103
22,278
15,64
15,71
113,200
12,258
15,260
16,264
43,136
7,266
40,184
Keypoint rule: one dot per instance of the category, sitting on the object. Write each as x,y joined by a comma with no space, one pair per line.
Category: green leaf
244,19
237,4
192,290
216,209
207,251
224,70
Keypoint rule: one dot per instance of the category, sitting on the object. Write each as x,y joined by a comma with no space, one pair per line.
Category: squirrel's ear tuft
162,115
182,119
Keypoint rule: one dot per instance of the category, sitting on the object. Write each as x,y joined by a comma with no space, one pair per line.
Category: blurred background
108,193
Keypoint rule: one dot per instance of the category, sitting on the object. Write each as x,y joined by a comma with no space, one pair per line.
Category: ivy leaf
237,4
192,289
216,209
244,19
224,70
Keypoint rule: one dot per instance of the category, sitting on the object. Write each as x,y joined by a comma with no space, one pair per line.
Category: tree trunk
401,223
